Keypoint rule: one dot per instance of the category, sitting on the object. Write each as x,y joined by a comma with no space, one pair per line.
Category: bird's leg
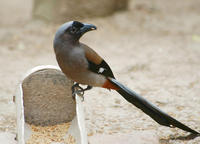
82,91
76,89
73,89
88,88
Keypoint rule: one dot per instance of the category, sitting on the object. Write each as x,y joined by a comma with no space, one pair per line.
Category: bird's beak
87,27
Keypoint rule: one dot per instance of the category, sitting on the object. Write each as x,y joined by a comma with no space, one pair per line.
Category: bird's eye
73,30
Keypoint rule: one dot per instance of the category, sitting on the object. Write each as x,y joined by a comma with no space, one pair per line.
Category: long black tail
154,112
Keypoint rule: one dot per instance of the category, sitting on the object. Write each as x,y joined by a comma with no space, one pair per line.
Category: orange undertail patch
109,85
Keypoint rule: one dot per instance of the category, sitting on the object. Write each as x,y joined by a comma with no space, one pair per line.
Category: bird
83,65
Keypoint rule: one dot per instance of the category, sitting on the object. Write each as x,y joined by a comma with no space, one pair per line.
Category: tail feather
154,112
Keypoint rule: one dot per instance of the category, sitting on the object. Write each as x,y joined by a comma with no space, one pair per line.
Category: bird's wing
96,63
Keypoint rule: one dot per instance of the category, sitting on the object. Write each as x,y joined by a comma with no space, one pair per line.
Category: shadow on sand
182,138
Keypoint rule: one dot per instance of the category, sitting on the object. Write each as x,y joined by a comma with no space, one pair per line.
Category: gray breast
77,59
72,60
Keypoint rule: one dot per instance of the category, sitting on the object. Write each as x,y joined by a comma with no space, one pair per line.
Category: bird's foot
88,88
76,89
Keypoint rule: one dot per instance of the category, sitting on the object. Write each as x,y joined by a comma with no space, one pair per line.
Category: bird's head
72,31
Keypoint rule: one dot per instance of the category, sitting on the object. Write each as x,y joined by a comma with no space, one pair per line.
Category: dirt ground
153,48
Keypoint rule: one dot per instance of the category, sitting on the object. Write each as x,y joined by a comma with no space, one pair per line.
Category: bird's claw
76,89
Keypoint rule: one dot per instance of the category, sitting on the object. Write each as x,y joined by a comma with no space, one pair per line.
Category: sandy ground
153,48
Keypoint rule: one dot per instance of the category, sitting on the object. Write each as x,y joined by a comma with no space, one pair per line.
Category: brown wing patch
91,55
